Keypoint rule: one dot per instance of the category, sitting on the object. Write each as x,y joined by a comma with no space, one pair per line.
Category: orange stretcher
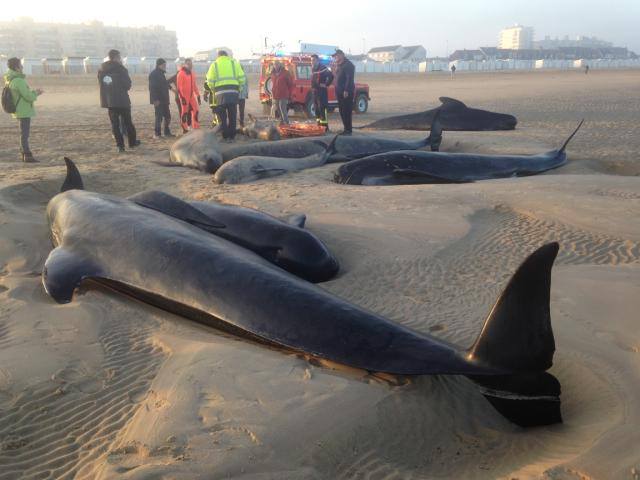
301,129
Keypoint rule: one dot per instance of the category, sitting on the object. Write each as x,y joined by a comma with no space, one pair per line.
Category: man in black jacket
159,98
345,89
115,84
320,80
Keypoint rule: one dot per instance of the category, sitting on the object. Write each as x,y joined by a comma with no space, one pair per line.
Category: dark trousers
162,113
228,116
25,130
345,105
115,114
241,104
321,103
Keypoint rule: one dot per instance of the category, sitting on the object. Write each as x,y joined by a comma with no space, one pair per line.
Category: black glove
183,101
199,100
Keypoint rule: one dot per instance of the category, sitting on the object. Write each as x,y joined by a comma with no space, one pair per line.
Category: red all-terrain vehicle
299,67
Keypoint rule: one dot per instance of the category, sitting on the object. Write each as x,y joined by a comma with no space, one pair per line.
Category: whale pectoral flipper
262,172
63,272
408,172
176,208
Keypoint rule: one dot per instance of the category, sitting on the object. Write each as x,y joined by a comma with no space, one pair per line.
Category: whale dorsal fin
73,180
448,103
297,220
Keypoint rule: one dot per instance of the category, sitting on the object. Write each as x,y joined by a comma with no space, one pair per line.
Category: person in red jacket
281,87
189,96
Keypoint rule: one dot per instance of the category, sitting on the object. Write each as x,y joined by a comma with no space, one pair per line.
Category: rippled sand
106,387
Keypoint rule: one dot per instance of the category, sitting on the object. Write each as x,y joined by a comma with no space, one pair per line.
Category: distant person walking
21,107
225,79
586,69
453,71
189,96
115,84
345,89
159,98
281,86
320,80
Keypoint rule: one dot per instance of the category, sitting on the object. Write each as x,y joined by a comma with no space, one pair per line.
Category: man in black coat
320,81
159,97
345,89
115,84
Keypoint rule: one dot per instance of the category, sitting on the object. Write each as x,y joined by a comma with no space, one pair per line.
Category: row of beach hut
144,65
494,65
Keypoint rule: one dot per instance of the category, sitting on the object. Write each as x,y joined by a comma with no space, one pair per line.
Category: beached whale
252,167
261,129
177,266
418,167
283,242
454,115
201,150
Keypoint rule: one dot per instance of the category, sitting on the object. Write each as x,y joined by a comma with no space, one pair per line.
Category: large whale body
179,267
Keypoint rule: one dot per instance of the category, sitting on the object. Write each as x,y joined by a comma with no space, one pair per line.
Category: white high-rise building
517,37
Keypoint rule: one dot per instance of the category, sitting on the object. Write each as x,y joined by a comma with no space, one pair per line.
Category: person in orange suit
189,96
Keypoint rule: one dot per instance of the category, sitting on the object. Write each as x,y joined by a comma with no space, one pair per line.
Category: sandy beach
106,387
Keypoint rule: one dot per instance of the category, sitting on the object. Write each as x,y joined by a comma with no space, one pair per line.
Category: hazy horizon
357,26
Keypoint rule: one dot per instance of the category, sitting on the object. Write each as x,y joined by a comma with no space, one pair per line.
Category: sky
440,26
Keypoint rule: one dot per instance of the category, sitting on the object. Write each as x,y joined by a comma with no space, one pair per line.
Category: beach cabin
52,66
201,68
133,64
148,64
73,65
32,66
92,64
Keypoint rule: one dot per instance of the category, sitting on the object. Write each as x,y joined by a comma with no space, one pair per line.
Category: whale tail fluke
517,334
517,337
73,180
566,142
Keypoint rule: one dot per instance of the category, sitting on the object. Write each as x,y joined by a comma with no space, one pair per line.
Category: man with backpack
115,84
17,99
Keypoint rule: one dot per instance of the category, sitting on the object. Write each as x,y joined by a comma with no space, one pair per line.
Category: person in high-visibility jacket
225,78
210,98
189,96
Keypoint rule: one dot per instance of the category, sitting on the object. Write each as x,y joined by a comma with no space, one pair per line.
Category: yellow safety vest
223,72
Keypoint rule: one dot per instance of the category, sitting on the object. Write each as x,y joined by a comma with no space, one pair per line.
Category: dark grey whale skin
284,243
420,167
180,267
200,149
454,115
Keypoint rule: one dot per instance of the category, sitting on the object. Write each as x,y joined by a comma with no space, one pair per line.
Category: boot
28,158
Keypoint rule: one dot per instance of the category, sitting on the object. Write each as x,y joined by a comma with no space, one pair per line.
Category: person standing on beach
115,84
281,86
23,98
189,96
453,71
345,89
320,80
225,79
242,100
159,98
